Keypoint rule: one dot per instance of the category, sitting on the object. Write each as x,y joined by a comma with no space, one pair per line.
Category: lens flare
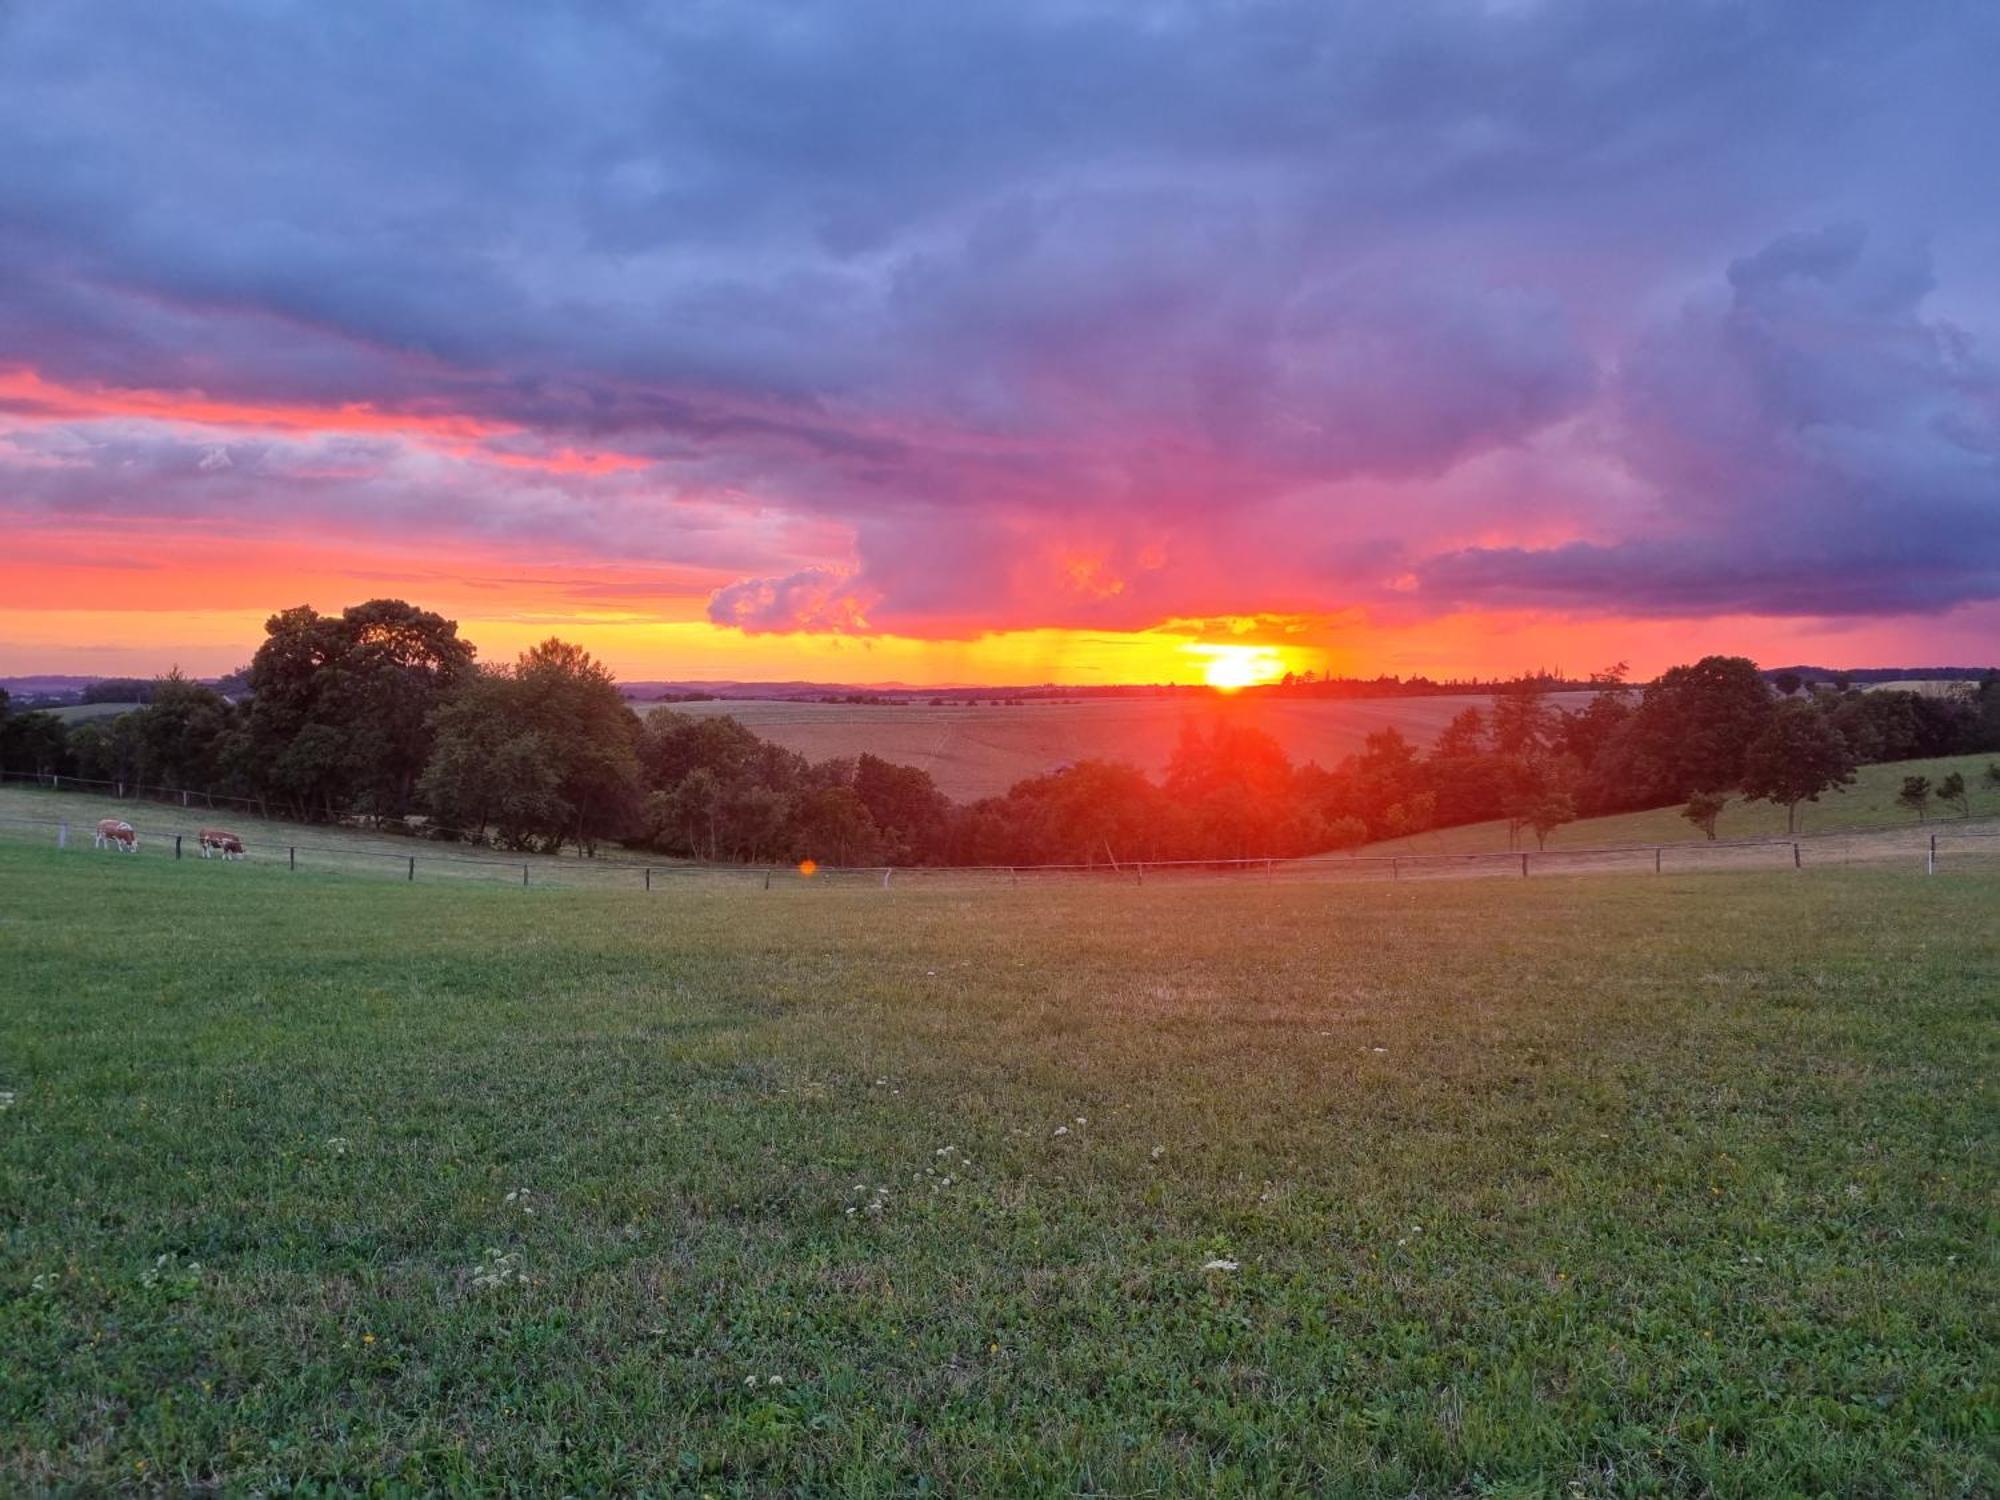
808,868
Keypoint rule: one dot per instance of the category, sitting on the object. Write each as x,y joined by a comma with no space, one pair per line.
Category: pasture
1565,1187
980,750
80,713
1870,803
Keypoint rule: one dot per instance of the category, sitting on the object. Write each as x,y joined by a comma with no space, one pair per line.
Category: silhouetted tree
1916,796
545,751
341,707
1703,809
1952,789
1798,756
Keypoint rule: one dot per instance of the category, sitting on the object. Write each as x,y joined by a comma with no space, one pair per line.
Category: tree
34,742
906,806
1798,756
1540,794
1524,722
1993,776
1916,796
1688,734
1584,734
1952,789
545,751
180,735
1787,683
342,708
831,826
1703,809
1553,810
1346,833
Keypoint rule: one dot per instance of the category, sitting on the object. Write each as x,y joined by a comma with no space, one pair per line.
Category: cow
116,833
220,841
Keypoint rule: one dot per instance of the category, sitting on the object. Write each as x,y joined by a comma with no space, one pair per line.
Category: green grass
1869,803
1681,1186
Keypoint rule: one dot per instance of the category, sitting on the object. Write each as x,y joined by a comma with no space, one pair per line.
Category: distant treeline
382,713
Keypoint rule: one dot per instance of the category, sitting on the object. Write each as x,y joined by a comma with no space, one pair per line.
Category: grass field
77,713
1869,803
1566,1187
979,751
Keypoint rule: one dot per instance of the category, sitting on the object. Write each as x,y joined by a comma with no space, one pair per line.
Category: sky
1044,340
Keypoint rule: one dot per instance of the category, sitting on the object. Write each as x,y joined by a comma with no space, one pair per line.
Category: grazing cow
220,841
116,833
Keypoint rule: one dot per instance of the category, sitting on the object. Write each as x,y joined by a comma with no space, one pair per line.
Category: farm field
1578,1187
980,751
77,713
1868,804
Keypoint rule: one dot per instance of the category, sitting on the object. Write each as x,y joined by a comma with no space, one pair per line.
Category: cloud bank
940,320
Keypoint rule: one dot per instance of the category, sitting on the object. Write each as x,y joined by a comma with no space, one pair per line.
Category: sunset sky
1025,341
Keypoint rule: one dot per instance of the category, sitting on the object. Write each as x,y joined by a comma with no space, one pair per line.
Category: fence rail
1658,859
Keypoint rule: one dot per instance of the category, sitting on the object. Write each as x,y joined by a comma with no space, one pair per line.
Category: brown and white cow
116,833
220,841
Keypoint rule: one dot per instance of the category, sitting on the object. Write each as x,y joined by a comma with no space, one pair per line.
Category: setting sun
1231,667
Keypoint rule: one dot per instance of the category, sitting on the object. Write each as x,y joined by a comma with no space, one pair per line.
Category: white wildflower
337,1144
496,1270
1062,1130
1219,1264
1082,1120
6,1098
1158,1152
44,1284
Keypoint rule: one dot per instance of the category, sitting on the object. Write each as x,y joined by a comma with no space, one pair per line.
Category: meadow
1568,1187
980,750
1870,803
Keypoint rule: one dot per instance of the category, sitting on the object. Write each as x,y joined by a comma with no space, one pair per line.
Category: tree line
383,713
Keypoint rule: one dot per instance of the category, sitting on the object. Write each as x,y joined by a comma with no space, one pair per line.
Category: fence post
767,879
413,867
1141,868
1395,868
887,871
524,877
1656,859
1795,858
62,834
1013,876
1524,864
649,877
1930,857
292,857
177,846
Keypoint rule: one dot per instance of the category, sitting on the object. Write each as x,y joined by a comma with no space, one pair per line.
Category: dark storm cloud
1820,447
1051,304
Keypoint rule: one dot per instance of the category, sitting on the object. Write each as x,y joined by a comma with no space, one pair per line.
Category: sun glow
1228,668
